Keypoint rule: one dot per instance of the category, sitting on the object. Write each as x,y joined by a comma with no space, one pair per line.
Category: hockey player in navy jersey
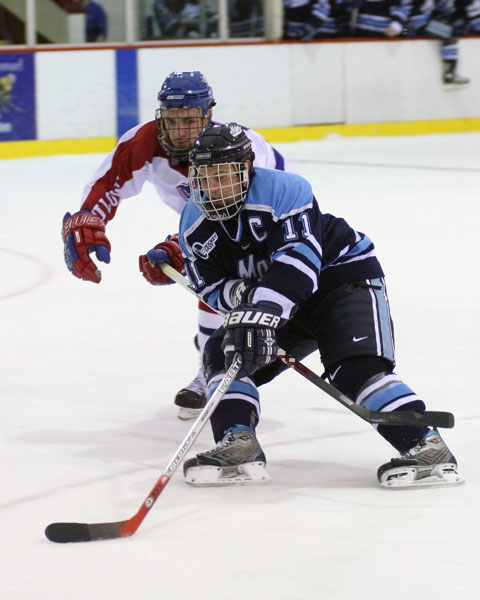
381,18
156,151
307,20
440,19
258,249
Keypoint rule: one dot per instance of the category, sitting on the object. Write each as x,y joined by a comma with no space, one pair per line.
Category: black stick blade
440,419
63,533
407,417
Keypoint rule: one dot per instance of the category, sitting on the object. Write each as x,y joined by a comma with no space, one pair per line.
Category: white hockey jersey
139,157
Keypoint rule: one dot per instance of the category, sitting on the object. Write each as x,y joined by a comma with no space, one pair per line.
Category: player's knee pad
351,374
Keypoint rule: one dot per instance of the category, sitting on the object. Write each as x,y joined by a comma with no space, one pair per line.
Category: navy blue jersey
375,16
280,243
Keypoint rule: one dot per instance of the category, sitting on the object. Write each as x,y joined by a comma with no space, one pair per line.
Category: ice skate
192,398
237,459
429,463
452,78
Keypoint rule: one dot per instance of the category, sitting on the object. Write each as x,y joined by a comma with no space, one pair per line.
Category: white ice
88,374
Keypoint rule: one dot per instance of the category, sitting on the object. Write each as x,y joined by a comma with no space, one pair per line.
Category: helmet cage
219,192
219,176
193,125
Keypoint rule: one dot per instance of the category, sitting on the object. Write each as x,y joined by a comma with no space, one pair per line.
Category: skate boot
429,463
454,78
237,459
192,398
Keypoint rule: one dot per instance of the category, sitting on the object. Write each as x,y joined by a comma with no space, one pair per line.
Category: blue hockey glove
250,330
84,233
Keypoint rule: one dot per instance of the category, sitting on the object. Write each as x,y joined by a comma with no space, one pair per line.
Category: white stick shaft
204,416
177,277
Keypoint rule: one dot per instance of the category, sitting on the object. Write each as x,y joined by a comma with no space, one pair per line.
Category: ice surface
88,376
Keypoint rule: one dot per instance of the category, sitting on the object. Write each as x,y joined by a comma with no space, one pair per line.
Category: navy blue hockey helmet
185,102
219,174
221,143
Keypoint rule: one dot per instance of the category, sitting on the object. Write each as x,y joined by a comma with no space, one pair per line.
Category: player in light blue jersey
258,248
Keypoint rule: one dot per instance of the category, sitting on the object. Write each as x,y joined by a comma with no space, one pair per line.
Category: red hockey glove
167,251
82,234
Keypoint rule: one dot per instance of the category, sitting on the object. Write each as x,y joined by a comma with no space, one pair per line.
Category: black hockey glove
250,330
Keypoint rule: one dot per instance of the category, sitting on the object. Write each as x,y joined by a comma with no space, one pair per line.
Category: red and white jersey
139,157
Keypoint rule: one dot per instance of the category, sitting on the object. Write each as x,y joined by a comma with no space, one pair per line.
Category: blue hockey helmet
183,90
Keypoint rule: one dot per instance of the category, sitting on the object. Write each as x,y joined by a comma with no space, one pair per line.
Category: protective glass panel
60,22
12,22
178,19
246,18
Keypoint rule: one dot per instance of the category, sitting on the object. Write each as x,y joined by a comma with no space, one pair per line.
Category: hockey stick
401,417
87,532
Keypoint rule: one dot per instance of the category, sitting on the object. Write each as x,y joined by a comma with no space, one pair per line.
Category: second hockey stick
400,417
88,532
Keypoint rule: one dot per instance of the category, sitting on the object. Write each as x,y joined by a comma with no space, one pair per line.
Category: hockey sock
449,66
370,381
386,391
450,54
232,412
403,437
240,405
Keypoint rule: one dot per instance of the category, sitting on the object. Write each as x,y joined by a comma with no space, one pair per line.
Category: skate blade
409,477
185,414
207,475
454,87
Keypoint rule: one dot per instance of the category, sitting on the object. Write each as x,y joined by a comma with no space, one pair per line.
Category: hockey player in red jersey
158,152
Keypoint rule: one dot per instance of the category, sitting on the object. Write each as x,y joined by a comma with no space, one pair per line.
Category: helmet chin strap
245,176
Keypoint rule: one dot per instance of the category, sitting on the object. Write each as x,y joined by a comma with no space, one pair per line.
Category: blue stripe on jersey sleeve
304,251
361,246
309,254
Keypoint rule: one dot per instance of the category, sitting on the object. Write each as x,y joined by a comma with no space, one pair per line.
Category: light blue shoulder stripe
281,193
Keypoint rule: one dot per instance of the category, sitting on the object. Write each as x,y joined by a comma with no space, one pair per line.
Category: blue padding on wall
17,97
127,90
